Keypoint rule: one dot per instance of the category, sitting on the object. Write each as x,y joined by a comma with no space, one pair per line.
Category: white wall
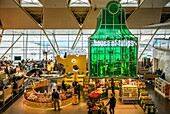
164,62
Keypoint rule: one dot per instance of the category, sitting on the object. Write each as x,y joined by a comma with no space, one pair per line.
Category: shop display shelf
162,87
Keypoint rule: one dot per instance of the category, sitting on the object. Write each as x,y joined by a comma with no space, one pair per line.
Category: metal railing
161,43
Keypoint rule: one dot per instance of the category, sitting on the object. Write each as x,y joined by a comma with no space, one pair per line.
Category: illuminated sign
115,43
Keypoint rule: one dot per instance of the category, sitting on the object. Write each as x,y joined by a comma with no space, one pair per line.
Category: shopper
112,103
40,72
113,86
7,71
55,99
74,84
15,85
64,86
78,88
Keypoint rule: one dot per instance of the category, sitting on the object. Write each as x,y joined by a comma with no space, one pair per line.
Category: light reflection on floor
19,108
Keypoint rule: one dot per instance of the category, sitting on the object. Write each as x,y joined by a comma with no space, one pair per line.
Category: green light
113,49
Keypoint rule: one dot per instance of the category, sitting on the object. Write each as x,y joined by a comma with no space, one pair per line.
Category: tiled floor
19,108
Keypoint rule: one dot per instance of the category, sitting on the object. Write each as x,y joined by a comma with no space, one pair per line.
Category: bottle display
113,49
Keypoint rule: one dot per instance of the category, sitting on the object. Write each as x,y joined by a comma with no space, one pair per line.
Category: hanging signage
115,43
72,52
112,47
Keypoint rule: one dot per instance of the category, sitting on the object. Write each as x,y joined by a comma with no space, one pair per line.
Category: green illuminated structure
113,49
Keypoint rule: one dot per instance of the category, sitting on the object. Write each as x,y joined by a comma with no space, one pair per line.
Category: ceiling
55,14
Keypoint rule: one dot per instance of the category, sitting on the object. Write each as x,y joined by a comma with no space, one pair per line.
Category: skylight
168,4
129,3
79,3
31,3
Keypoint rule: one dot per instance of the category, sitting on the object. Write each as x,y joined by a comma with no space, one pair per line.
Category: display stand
86,87
142,71
69,80
7,93
162,87
130,94
95,106
104,94
146,102
19,85
36,99
150,76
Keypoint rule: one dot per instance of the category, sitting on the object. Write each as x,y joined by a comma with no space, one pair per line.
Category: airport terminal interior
84,56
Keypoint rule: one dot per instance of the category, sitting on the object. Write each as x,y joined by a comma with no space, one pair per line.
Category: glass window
31,3
80,3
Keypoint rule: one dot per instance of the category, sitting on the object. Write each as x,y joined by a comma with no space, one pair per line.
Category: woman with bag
112,103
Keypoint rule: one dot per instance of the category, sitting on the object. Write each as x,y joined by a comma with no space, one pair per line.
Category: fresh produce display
141,85
86,87
95,105
145,100
32,95
95,94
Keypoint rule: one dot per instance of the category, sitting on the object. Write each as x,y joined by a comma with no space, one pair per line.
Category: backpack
56,95
113,102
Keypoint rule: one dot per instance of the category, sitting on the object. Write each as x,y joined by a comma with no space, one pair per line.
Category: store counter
47,104
44,100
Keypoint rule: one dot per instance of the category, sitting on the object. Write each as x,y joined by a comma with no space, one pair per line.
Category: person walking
55,99
112,103
113,86
74,84
78,90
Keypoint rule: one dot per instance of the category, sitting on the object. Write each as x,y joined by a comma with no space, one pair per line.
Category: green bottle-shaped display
113,49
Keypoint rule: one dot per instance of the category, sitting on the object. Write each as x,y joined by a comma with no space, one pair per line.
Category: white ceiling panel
54,3
7,4
154,3
90,23
143,17
59,18
15,18
99,3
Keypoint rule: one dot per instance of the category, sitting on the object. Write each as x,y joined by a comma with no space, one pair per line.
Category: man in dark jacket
112,103
55,99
